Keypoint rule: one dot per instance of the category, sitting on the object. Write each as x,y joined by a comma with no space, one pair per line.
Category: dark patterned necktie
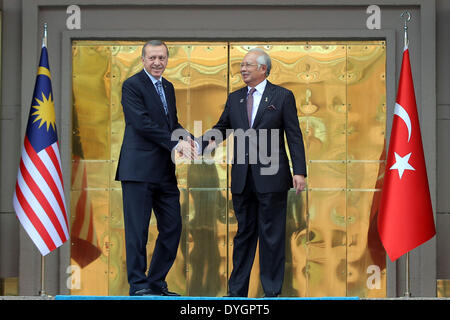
250,106
161,95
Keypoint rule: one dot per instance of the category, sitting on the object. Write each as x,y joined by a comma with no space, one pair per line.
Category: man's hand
211,146
299,183
187,149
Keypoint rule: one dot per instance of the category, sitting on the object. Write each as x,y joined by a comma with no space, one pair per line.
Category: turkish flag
405,218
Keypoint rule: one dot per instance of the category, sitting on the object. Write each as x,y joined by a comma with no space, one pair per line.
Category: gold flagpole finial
405,27
44,38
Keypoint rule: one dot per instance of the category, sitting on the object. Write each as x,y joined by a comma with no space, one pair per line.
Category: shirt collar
260,87
154,80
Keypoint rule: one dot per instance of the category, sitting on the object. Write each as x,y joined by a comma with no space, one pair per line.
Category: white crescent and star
401,112
401,163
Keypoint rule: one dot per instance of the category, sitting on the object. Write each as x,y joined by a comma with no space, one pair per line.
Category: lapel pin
242,100
266,100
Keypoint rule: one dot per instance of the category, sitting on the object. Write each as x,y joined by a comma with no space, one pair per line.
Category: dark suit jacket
147,144
277,110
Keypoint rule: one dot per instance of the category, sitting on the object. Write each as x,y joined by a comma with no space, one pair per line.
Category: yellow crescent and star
45,108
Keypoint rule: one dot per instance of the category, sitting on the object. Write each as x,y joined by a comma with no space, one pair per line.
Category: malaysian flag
39,194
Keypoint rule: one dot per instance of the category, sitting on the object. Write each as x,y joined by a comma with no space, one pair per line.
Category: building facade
342,61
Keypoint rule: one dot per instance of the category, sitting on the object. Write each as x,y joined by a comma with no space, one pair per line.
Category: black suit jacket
277,110
147,143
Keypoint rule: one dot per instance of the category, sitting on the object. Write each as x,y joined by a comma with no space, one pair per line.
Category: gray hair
263,58
154,43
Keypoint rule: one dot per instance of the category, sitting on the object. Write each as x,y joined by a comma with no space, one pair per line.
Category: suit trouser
263,216
139,198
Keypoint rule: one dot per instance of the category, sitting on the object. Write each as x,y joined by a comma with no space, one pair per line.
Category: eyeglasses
247,65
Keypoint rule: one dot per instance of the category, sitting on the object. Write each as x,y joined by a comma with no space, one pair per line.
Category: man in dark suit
147,172
260,114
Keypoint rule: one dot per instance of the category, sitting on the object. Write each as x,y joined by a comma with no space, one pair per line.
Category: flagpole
42,292
405,27
407,290
44,38
406,43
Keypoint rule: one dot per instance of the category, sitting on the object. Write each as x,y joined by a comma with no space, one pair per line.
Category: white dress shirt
154,80
257,95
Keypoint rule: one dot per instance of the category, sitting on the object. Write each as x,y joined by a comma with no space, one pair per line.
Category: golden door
332,240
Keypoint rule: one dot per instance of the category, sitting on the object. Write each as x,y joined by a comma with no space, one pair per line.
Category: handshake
190,150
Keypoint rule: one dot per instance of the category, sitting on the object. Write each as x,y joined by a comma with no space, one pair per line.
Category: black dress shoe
142,292
270,295
165,292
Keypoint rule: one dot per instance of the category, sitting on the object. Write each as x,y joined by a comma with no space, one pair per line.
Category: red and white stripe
39,197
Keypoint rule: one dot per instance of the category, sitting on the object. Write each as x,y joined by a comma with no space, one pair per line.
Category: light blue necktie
161,95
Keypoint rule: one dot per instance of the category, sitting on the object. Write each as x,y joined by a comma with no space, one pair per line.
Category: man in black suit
147,172
260,114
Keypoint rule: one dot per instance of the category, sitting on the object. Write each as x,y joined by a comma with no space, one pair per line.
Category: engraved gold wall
332,242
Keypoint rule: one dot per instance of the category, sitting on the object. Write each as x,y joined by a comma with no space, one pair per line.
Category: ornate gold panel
9,286
326,244
366,79
443,288
296,230
332,245
366,263
91,257
91,99
207,241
